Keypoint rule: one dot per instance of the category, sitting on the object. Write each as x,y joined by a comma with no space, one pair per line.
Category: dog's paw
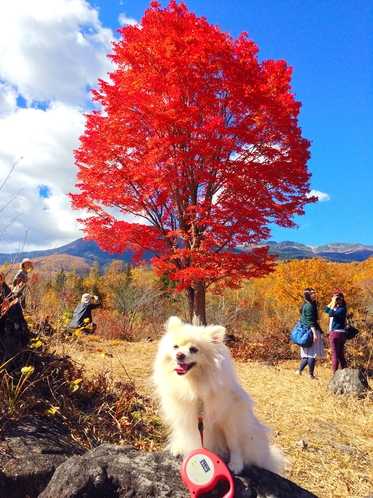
176,451
236,465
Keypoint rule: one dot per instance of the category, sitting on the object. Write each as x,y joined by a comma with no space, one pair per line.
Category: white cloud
8,99
45,140
51,53
322,196
127,21
52,49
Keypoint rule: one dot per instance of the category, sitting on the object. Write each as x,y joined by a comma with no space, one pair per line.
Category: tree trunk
199,308
196,297
190,299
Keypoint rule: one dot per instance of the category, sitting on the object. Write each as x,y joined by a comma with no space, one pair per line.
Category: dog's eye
176,346
193,350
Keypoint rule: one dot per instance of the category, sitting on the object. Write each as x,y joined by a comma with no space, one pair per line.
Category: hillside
78,255
81,254
49,265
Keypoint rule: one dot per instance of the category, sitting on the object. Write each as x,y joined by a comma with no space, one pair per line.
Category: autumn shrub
112,326
56,309
13,390
225,309
273,347
359,350
39,383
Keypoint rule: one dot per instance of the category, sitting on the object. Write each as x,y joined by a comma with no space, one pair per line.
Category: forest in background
259,314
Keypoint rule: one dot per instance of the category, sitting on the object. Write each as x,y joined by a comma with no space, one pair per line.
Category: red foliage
198,147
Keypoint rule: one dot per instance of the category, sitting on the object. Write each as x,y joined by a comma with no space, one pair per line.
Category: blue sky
52,53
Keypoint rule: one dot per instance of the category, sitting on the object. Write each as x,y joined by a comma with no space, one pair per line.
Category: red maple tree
196,151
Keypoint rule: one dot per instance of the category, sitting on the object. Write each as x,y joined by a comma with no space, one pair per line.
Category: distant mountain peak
335,251
89,252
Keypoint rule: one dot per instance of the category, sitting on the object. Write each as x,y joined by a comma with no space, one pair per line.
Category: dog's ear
215,332
173,322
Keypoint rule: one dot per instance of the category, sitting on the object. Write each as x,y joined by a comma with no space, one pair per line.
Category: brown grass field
328,439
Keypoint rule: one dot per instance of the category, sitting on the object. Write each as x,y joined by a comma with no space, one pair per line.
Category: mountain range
81,254
336,251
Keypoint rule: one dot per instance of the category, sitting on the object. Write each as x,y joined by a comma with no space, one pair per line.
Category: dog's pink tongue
181,368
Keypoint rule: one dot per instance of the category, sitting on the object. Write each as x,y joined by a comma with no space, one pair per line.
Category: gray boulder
39,458
349,381
111,471
30,452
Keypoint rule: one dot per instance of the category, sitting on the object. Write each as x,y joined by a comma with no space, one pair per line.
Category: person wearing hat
82,317
20,280
337,311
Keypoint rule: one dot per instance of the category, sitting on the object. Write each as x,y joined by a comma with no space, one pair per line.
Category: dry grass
328,439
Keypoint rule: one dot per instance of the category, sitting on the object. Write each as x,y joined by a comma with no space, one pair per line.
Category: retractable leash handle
201,470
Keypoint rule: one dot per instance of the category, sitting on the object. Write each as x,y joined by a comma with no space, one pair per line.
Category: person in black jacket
82,317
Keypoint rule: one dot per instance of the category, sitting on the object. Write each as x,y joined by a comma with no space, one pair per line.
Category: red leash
201,469
200,419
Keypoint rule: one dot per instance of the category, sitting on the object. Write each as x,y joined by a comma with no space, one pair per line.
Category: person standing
82,317
14,332
20,281
337,311
309,317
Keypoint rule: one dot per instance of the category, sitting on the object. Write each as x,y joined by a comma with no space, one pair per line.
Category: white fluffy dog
194,367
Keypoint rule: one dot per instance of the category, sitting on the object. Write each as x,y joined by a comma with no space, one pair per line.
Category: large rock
349,381
30,453
39,458
111,471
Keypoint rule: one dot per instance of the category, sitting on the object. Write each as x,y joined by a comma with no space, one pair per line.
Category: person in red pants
337,310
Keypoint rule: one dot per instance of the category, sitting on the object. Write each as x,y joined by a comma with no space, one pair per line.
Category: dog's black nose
180,356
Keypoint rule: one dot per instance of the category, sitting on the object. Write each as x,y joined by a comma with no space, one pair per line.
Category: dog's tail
277,462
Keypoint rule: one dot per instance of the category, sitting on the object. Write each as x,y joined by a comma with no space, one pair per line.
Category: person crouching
82,317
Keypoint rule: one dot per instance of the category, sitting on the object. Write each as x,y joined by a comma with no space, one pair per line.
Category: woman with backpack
309,317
